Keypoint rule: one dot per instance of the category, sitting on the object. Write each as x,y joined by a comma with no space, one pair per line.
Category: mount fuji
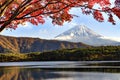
81,33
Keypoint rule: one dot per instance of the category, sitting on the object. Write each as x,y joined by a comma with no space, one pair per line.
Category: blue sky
49,31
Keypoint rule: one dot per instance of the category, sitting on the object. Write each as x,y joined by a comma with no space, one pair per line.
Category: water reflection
17,73
88,70
24,73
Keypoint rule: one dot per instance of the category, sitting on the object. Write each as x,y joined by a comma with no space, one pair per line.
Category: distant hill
25,44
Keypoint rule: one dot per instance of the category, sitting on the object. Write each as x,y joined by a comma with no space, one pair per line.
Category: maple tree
15,12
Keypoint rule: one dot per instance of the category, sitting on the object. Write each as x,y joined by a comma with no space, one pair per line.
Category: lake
60,70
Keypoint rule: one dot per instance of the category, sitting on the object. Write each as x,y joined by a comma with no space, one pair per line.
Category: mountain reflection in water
17,73
38,73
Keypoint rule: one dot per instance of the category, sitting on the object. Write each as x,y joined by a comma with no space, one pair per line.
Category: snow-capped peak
81,33
79,30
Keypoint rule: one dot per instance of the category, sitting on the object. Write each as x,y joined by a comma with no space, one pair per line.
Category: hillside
25,45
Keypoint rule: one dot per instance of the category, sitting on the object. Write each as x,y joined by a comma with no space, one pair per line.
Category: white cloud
113,38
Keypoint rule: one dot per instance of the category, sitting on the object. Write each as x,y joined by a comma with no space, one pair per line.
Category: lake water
60,70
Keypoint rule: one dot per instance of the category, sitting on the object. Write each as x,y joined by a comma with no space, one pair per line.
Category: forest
102,53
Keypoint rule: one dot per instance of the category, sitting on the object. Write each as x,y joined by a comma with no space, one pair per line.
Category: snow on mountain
81,33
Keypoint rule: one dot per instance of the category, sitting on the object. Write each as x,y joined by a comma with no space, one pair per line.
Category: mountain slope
85,35
24,44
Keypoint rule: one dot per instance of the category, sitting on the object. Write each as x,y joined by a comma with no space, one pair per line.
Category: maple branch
14,15
49,3
58,10
24,16
3,7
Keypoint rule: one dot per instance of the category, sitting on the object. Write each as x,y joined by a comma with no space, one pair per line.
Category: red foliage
117,3
98,16
116,11
110,19
15,12
102,3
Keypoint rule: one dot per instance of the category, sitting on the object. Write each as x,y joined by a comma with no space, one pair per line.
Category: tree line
78,54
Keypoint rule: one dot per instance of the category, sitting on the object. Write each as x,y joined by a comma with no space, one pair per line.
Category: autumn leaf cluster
15,12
